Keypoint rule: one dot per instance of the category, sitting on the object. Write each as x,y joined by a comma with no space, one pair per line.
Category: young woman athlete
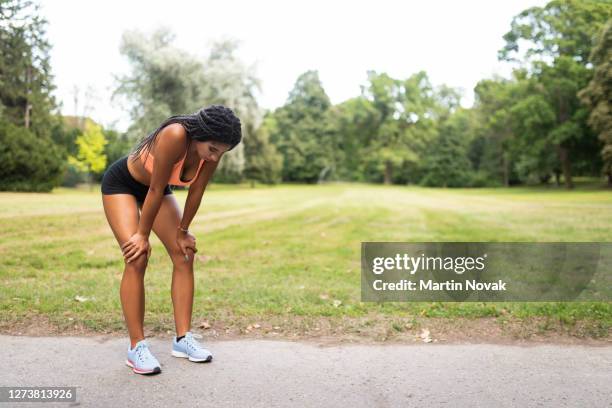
185,151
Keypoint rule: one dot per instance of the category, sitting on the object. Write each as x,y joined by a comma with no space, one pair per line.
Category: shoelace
139,352
192,343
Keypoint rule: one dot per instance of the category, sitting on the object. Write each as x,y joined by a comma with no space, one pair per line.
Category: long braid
214,123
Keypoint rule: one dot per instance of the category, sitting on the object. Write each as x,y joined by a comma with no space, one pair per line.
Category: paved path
262,373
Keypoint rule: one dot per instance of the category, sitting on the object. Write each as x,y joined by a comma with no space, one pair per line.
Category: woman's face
211,150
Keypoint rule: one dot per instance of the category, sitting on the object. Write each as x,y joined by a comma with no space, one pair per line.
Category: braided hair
214,123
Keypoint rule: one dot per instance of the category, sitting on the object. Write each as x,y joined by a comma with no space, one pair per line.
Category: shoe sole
156,370
180,354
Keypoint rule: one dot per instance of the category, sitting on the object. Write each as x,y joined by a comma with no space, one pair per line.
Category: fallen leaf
205,325
337,302
81,298
425,336
276,327
256,326
323,296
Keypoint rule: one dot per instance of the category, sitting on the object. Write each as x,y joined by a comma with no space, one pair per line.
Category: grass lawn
286,259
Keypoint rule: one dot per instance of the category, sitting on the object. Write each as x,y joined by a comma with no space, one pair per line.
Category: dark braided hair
214,123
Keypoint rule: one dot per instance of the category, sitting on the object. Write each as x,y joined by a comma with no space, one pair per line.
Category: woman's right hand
135,246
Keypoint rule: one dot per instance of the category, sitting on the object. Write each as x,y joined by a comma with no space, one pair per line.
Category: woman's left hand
186,241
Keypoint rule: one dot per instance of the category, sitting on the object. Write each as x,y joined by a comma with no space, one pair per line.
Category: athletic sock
179,338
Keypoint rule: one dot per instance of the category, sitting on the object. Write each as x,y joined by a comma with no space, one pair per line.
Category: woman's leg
165,227
122,214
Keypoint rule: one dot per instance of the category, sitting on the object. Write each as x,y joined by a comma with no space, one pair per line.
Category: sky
455,42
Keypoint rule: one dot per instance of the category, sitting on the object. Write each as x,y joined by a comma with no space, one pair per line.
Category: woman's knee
138,264
179,260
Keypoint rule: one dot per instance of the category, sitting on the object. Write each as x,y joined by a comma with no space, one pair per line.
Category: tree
354,123
407,112
25,73
446,163
263,162
561,28
559,38
559,84
493,100
300,132
90,158
598,94
28,162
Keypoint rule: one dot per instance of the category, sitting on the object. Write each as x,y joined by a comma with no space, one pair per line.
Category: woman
185,151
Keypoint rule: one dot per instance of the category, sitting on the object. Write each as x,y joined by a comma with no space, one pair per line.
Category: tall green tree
494,99
30,160
263,162
25,72
407,112
447,163
301,133
597,96
559,38
560,28
354,123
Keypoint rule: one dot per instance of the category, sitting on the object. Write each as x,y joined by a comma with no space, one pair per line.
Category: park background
280,227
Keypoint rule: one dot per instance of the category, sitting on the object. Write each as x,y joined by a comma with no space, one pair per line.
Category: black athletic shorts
118,180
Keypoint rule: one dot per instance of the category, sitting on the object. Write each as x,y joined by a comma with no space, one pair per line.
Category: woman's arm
196,191
169,148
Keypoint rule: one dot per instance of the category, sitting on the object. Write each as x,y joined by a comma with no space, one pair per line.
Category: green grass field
287,256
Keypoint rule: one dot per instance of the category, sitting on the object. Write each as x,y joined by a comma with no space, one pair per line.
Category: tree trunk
557,177
610,179
565,166
28,106
505,166
388,172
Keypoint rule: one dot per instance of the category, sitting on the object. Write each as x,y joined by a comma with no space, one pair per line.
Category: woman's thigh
122,214
165,226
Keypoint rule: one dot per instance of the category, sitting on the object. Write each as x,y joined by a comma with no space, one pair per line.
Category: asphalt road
263,373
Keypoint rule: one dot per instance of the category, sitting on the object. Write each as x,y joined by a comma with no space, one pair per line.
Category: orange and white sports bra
175,176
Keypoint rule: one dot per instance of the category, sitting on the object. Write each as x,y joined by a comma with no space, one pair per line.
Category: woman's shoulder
174,131
171,142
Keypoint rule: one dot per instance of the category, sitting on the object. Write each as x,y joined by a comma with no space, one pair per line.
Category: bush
72,176
482,179
28,162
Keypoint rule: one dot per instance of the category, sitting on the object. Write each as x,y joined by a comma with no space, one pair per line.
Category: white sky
455,42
